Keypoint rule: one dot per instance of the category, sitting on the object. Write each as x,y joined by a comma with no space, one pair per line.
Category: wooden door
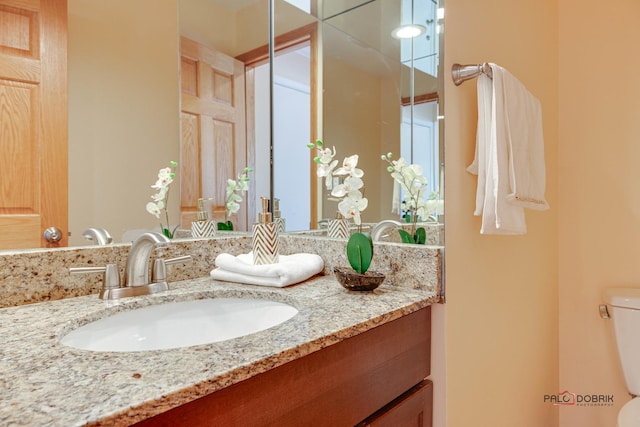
213,123
33,121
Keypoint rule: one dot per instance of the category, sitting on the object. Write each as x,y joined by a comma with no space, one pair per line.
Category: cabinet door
413,408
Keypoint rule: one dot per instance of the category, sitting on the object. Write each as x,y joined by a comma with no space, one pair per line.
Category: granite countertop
46,383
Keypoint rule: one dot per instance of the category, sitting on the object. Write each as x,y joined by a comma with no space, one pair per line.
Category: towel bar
461,73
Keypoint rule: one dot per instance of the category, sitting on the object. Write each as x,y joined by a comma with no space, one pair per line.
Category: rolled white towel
289,270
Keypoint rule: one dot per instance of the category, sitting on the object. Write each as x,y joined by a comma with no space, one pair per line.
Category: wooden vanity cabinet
376,376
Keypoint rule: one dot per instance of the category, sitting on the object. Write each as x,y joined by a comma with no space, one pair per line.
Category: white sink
179,324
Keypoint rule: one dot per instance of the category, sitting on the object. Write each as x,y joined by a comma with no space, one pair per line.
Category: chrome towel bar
461,73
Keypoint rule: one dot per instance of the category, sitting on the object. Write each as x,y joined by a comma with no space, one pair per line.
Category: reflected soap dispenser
265,237
203,227
281,223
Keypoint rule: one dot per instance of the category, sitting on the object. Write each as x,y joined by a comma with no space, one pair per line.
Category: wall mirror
126,120
371,91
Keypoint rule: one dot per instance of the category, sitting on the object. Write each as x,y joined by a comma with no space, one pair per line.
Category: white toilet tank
624,309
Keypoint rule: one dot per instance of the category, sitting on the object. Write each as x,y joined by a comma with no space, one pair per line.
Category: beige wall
501,318
209,23
122,59
353,122
600,199
232,32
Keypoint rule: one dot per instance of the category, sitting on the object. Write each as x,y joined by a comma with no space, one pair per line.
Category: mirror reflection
378,93
339,76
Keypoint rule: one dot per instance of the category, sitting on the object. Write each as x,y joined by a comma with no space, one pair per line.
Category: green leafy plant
419,236
360,251
225,226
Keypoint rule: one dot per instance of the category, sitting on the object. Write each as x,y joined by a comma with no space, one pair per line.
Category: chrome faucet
378,228
99,236
136,272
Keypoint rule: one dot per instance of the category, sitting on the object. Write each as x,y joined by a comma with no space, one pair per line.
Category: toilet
624,310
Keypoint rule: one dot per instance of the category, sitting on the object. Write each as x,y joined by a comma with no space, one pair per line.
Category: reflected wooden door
213,127
33,121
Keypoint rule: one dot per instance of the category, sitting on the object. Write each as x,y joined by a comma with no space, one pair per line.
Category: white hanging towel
509,157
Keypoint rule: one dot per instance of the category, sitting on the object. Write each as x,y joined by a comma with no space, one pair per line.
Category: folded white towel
509,157
289,270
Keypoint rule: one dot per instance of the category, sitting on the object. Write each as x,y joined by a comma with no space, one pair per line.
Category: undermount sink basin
179,324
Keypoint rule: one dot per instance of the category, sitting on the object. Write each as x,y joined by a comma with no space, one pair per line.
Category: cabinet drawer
413,408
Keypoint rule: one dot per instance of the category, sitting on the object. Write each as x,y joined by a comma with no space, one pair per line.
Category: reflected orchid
160,199
410,178
349,185
236,188
349,167
324,160
352,202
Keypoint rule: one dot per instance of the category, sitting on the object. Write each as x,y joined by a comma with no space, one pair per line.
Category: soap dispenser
265,237
203,227
281,223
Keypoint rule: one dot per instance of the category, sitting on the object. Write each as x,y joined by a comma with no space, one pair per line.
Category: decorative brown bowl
353,281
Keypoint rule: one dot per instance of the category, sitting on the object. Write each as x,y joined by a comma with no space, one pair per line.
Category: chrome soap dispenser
281,223
265,237
203,227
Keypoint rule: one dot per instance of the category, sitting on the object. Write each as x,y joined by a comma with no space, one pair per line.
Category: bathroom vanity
345,359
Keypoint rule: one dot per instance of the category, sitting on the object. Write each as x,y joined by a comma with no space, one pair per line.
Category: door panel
213,129
33,121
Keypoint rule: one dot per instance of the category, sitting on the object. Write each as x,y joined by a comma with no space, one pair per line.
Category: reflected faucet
378,228
136,272
99,236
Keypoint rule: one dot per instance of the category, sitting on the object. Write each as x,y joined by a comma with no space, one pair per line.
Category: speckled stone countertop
46,383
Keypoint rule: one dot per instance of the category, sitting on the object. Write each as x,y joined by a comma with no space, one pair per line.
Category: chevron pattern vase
203,228
265,243
339,228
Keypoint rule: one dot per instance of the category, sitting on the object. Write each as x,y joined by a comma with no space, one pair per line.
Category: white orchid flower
349,167
350,184
326,155
326,171
160,195
352,205
153,209
165,177
232,207
416,169
242,185
351,202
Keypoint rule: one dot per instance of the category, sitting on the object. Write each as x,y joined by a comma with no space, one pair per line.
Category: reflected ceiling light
408,31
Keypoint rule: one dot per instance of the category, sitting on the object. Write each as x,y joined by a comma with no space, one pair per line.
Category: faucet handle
159,272
110,278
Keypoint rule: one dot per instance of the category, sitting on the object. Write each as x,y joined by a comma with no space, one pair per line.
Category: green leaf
360,251
167,233
405,236
420,237
225,226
